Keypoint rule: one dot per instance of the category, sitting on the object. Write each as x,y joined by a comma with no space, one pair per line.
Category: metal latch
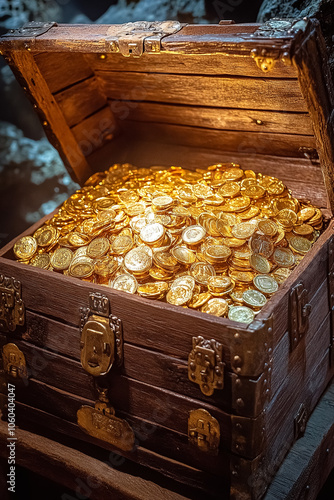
300,421
101,341
132,39
299,313
101,423
13,362
205,366
31,29
204,431
11,304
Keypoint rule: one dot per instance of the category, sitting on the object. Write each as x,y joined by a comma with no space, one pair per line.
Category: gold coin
254,191
128,196
165,259
137,223
137,260
162,202
303,230
105,266
184,280
251,212
219,284
259,263
216,306
286,217
237,204
242,253
61,259
125,283
299,244
306,213
234,242
241,276
229,190
41,260
121,244
267,227
193,235
229,219
152,233
133,209
179,295
265,284
45,236
281,274
25,247
217,253
98,247
243,230
262,245
183,255
233,174
152,290
78,239
254,298
202,191
202,271
275,187
160,274
242,314
199,299
283,257
82,267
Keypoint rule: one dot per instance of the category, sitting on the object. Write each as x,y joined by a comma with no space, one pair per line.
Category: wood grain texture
224,92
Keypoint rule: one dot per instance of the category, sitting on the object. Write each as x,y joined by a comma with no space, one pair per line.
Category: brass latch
132,39
205,366
299,311
101,423
204,431
101,337
13,362
11,304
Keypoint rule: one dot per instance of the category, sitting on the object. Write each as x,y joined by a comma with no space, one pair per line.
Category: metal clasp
14,362
31,29
205,366
204,431
101,336
299,313
11,304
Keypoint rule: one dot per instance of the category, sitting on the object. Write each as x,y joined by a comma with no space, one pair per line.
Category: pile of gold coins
220,240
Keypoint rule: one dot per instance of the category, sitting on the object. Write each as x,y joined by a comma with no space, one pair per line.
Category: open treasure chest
212,383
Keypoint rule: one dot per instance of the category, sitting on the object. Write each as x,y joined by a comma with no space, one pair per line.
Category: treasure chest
204,400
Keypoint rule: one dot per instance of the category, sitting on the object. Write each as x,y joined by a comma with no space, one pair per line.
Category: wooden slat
171,62
95,131
57,129
286,145
216,118
62,69
80,100
244,93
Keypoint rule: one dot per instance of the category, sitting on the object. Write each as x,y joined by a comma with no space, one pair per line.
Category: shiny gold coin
299,244
152,233
137,223
241,276
229,190
306,213
128,196
283,257
241,314
105,266
281,274
186,279
125,283
254,298
262,245
193,235
243,230
216,306
265,284
220,284
160,274
254,191
229,219
45,236
233,174
202,191
303,230
234,242
267,227
78,239
275,187
82,267
259,263
179,295
41,260
152,290
251,212
217,252
202,271
98,247
183,255
238,204
25,247
286,217
133,209
199,299
121,244
165,259
162,202
61,259
137,260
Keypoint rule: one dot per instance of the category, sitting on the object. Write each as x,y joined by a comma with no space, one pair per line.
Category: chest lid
166,93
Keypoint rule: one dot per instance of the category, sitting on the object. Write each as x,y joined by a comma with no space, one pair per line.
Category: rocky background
33,179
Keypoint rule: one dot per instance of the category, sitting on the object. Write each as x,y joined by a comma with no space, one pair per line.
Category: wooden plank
56,128
80,100
95,131
225,92
61,69
286,145
171,62
217,118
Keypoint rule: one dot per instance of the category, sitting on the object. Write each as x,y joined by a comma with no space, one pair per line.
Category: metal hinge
204,431
300,421
101,339
13,362
205,366
280,28
12,310
299,311
132,39
31,29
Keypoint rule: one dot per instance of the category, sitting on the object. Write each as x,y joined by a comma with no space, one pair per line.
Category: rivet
240,402
270,329
259,122
236,335
237,360
102,56
45,123
238,426
234,473
327,451
238,382
35,106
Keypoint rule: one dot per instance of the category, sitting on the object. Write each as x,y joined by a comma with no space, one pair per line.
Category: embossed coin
184,280
105,266
45,235
125,283
242,314
193,235
25,247
283,257
254,191
165,259
152,290
303,230
61,259
254,298
216,306
121,244
217,253
98,247
179,295
300,245
286,217
267,227
81,267
183,255
262,245
162,202
229,190
41,260
306,213
152,233
202,272
265,284
199,299
259,263
137,260
243,230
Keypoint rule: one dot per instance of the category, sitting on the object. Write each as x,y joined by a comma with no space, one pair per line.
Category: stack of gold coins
220,240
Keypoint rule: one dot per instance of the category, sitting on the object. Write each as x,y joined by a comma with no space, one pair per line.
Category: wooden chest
166,94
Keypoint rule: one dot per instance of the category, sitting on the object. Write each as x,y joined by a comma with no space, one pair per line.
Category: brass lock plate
204,431
12,310
299,311
205,366
14,363
101,337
